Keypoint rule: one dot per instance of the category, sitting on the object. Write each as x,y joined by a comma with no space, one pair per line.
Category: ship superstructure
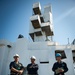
43,48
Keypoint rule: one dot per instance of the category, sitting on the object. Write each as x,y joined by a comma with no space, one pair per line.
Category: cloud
70,12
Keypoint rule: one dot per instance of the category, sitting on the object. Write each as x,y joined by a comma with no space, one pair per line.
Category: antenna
68,41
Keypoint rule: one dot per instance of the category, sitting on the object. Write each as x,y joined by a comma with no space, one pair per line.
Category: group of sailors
16,68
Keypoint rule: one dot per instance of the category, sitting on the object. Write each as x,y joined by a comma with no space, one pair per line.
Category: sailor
59,67
32,68
16,68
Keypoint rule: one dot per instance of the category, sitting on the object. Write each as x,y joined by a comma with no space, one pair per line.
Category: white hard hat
16,55
33,57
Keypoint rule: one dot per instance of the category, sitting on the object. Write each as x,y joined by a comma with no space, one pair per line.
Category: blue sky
15,17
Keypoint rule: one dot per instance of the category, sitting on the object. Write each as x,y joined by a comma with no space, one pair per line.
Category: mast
41,25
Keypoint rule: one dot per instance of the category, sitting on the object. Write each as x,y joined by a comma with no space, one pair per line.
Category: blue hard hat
58,55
